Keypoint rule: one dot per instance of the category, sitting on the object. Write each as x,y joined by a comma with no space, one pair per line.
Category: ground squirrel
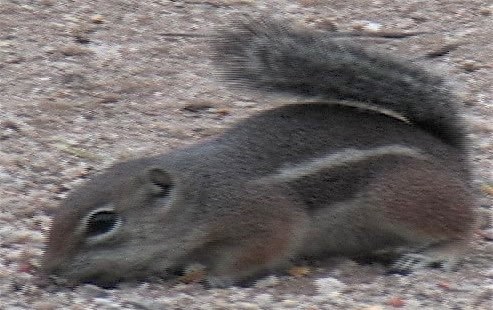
375,161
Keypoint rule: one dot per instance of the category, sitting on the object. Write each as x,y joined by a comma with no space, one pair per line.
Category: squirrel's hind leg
430,207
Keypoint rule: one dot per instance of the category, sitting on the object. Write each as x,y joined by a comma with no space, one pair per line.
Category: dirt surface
86,83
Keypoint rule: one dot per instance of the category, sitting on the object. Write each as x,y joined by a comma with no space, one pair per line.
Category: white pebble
264,299
329,286
267,282
103,303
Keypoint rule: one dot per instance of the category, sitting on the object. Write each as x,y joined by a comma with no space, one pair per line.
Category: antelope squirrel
376,160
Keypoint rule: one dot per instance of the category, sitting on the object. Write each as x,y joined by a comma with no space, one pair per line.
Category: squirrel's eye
101,222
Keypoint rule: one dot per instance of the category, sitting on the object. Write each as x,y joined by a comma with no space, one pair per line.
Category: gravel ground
86,83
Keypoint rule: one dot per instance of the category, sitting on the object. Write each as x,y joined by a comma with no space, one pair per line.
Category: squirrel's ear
160,179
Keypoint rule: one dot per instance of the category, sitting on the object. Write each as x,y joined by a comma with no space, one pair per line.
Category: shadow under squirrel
376,162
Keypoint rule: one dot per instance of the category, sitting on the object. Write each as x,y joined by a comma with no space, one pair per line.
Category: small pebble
269,281
97,19
486,234
489,273
365,25
329,286
106,303
486,11
396,302
92,291
288,303
246,306
470,65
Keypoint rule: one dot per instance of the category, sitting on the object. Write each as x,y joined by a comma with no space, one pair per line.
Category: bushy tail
270,56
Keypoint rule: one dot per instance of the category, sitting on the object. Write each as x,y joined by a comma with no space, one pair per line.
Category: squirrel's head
121,224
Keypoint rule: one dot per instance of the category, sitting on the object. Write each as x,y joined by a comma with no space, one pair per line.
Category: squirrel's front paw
219,281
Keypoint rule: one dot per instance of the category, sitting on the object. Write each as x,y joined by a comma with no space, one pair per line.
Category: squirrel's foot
410,262
445,257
